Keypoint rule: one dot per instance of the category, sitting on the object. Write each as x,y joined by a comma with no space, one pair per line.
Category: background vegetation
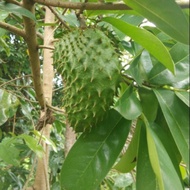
142,144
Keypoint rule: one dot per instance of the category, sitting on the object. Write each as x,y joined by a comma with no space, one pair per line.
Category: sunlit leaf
161,163
94,153
33,144
167,16
146,179
8,105
146,39
129,160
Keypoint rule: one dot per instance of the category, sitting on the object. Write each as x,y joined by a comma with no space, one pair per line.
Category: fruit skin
90,68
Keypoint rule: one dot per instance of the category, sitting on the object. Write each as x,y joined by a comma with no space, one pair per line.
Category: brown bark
93,6
70,138
42,179
31,40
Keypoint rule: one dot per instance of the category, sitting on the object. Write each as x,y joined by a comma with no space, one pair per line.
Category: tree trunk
41,178
70,138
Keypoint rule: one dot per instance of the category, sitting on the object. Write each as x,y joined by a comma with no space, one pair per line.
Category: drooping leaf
161,163
149,103
176,114
159,75
146,39
129,105
184,96
129,160
94,153
8,105
9,7
167,16
33,144
145,179
26,109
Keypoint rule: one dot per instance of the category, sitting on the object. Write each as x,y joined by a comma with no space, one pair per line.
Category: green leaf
159,75
45,139
8,105
33,144
94,153
145,179
9,7
128,160
149,103
184,96
167,16
146,39
8,152
129,105
176,114
161,163
26,109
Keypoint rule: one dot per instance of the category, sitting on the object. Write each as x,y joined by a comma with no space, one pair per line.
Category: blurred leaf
9,7
167,16
176,114
45,139
128,105
94,153
146,39
129,160
3,14
4,46
161,163
145,179
184,96
9,153
123,180
26,109
33,144
8,106
149,103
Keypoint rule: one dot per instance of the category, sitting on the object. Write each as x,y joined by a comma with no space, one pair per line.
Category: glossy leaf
159,75
8,105
161,163
176,114
146,39
149,103
166,15
184,96
128,105
145,179
94,153
129,160
9,7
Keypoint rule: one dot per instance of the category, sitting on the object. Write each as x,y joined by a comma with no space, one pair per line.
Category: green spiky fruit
90,68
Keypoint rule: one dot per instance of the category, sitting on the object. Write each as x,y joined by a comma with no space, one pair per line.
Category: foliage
154,94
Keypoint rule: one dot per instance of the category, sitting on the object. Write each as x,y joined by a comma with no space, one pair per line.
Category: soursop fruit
90,68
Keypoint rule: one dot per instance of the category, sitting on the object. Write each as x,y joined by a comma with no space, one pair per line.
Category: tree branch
84,6
93,6
31,40
12,29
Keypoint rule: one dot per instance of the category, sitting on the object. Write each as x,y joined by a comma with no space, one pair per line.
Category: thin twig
58,17
5,83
